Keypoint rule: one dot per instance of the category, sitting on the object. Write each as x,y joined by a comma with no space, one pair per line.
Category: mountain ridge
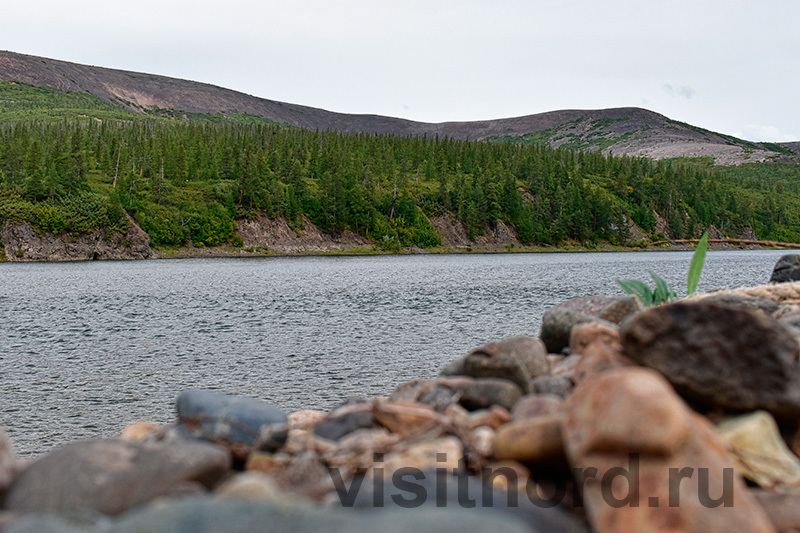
622,131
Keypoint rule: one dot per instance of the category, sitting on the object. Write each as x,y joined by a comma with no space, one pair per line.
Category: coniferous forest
185,180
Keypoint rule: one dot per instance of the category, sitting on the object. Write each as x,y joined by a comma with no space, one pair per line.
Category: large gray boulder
786,269
111,476
238,516
719,355
518,359
557,323
234,421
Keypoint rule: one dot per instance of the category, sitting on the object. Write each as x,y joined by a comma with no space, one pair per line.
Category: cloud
757,132
684,91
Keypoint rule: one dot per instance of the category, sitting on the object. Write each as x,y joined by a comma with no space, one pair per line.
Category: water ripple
91,347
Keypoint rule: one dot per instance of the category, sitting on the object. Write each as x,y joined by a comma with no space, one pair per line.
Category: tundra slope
623,131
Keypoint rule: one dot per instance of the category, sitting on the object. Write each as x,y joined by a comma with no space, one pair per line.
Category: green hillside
72,162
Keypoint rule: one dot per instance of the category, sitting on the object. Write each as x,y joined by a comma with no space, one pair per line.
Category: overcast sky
731,66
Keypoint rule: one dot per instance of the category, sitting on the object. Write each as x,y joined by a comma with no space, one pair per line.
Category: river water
87,348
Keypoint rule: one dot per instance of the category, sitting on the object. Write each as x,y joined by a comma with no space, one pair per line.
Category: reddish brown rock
494,417
357,451
266,462
508,476
446,453
583,335
535,405
139,431
304,475
599,356
250,486
305,419
647,463
532,440
407,418
566,368
783,510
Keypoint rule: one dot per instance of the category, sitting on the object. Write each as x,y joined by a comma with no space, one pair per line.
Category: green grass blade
637,288
663,292
696,268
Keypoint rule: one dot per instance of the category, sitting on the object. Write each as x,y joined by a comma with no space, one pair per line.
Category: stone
455,368
426,391
412,390
440,398
7,519
251,485
721,356
303,474
557,324
47,523
357,451
8,461
407,418
233,421
446,453
300,440
266,462
531,440
602,354
535,405
783,510
786,269
345,420
457,492
305,419
566,368
583,335
557,327
613,309
139,431
740,301
656,428
111,476
483,393
509,476
760,454
206,515
553,385
646,462
481,440
494,417
518,359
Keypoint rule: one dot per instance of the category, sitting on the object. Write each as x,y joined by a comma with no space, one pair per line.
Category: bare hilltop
622,131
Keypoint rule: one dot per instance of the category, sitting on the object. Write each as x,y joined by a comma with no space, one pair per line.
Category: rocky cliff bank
21,242
616,418
274,236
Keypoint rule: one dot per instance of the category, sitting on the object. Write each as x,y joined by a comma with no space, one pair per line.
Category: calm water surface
87,348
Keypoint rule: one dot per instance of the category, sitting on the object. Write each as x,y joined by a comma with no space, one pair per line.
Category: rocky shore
273,236
617,418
